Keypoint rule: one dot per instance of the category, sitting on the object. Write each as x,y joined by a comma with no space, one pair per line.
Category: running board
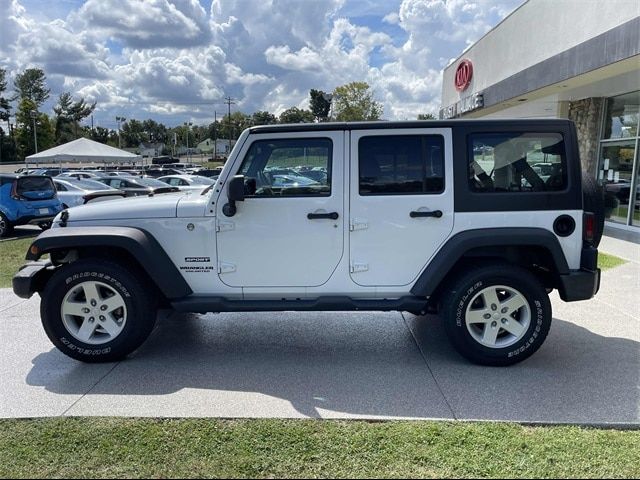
203,304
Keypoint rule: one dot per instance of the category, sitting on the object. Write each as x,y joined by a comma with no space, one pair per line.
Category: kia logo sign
464,73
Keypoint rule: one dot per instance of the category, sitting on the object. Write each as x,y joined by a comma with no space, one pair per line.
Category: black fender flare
454,249
137,242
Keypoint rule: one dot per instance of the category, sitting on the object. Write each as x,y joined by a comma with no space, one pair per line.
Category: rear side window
401,164
517,162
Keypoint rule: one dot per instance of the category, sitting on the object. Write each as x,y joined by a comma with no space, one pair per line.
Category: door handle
315,216
435,213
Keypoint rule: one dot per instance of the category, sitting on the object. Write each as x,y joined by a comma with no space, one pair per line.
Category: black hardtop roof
382,125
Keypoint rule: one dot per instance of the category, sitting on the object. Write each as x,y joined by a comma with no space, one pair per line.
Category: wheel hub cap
93,312
498,316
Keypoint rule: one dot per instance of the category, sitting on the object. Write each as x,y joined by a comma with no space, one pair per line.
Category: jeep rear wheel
497,314
96,311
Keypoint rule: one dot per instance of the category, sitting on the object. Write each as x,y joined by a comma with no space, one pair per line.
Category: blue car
27,200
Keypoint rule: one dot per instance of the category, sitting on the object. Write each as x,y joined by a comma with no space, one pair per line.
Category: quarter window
401,164
517,162
288,167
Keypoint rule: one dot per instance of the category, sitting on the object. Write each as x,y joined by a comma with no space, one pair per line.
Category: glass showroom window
618,166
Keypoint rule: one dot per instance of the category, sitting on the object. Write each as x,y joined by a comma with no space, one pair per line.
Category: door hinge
358,224
224,267
222,226
358,267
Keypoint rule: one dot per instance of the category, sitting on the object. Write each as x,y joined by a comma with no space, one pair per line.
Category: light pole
188,125
33,114
119,119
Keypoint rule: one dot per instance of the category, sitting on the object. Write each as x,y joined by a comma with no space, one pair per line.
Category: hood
158,206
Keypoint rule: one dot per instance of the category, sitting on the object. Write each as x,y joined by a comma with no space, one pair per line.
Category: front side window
401,164
517,162
288,167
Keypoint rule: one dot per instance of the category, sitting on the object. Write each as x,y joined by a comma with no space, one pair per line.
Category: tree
100,134
31,85
239,121
319,105
7,147
45,129
354,102
263,118
69,114
296,115
426,116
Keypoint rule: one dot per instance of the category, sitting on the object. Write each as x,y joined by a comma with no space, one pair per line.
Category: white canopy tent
83,150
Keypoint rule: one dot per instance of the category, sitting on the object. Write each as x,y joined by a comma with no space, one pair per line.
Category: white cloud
174,59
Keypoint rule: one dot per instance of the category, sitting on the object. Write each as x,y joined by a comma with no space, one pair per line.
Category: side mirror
235,193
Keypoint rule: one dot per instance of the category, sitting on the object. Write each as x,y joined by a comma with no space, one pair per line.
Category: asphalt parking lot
336,365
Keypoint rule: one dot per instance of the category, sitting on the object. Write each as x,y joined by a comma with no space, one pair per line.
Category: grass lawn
149,448
606,261
12,253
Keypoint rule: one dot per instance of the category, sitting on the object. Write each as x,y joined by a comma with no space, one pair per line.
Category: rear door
401,202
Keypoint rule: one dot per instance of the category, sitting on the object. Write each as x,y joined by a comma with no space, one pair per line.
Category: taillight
589,222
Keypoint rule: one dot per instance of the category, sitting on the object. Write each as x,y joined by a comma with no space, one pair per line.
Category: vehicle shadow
345,364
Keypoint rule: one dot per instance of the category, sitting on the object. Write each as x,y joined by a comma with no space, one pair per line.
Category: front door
288,232
401,202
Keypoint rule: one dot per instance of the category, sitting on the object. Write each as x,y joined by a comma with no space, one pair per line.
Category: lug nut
504,310
494,306
91,319
494,324
102,319
93,303
487,316
85,310
103,308
505,321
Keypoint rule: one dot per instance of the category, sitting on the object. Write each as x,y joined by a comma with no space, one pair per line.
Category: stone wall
587,115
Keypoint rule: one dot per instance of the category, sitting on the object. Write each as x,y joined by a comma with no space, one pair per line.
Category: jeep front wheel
497,314
96,311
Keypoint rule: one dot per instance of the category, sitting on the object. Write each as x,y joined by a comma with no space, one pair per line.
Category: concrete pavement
335,365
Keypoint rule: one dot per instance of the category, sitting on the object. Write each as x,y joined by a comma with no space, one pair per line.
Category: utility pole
188,124
229,101
119,119
215,134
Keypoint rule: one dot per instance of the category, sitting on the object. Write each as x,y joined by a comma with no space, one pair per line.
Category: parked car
161,172
134,186
188,182
209,172
25,200
117,173
80,175
72,192
49,172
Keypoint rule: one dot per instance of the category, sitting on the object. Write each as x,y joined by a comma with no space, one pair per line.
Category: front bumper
31,278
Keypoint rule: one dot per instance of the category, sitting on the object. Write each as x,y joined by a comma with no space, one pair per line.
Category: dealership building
576,59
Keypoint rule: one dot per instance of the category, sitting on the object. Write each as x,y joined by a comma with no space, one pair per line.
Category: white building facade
576,59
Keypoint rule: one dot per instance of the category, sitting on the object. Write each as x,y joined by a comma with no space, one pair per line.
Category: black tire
140,310
593,201
461,292
5,226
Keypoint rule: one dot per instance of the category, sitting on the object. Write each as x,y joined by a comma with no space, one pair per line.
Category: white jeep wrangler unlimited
476,220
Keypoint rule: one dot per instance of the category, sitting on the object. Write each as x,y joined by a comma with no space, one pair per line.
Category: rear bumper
582,284
30,278
34,219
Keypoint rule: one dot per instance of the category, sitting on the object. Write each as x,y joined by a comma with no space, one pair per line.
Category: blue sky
176,60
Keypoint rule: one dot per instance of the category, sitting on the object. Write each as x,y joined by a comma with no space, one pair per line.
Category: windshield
91,185
198,180
150,182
